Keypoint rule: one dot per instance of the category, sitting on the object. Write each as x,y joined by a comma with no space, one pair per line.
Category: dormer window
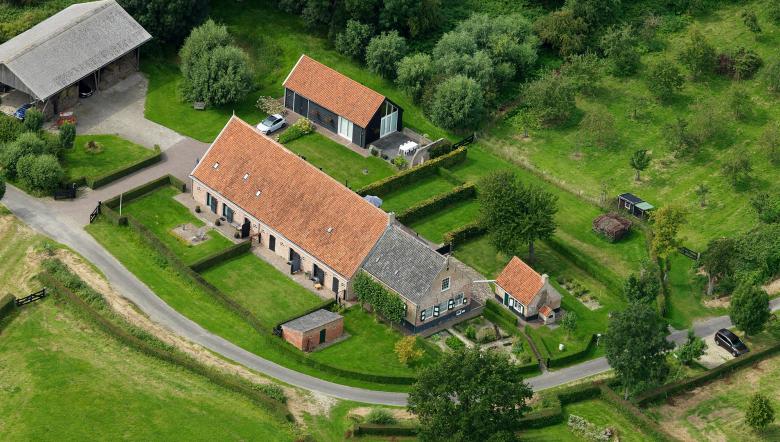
246,176
257,194
216,165
445,284
330,229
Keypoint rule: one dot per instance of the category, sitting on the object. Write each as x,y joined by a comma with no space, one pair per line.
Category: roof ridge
303,55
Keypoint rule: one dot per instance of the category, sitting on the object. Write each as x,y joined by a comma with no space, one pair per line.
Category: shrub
454,343
620,46
270,105
486,334
302,127
67,135
353,40
26,144
457,103
441,148
598,127
664,79
771,75
380,416
697,55
2,187
384,52
407,352
562,30
551,97
41,172
759,413
740,63
413,73
471,332
740,103
93,147
400,162
737,169
10,128
33,120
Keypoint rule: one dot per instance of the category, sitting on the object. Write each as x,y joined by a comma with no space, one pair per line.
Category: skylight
216,165
246,175
257,193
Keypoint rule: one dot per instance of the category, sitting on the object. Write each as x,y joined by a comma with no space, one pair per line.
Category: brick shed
310,331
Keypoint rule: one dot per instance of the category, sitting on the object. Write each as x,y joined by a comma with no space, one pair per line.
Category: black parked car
731,342
85,90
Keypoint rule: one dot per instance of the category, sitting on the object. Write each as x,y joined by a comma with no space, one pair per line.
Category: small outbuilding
526,293
634,205
313,330
611,226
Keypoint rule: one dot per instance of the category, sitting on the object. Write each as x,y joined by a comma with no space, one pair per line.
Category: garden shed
611,226
310,331
634,205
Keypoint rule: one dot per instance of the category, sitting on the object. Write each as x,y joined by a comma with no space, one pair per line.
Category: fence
40,294
66,193
95,213
464,142
689,253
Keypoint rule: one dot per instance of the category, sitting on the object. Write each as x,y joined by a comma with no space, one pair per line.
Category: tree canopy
718,261
749,309
457,103
169,21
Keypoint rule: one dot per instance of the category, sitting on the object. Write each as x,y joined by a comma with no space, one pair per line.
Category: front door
319,274
345,128
323,332
212,202
506,298
335,285
295,262
272,243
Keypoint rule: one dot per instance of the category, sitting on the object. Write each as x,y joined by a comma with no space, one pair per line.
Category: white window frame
345,128
447,280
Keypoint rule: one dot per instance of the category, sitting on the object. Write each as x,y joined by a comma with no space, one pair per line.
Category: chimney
545,278
391,217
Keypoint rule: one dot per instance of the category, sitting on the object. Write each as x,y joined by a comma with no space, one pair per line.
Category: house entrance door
388,124
345,128
319,274
272,243
295,262
323,332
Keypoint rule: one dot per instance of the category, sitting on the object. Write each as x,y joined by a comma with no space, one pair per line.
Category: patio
390,145
209,218
281,264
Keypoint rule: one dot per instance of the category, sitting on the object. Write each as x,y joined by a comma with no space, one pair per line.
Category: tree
759,413
698,55
767,206
2,187
770,141
407,351
414,73
563,31
664,79
551,97
569,322
214,71
515,214
737,169
27,143
583,71
353,40
740,103
595,12
642,287
692,349
620,45
489,397
751,21
666,225
457,103
33,120
67,135
635,345
718,261
679,138
640,160
598,126
749,308
41,172
169,21
384,52
701,191
526,120
411,17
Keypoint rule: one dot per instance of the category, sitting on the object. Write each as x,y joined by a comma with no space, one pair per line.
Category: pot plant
197,209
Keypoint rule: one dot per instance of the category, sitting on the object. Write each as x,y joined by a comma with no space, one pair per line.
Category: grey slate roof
313,320
404,263
68,46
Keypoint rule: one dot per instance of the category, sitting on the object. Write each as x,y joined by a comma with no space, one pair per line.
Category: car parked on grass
22,111
271,124
731,342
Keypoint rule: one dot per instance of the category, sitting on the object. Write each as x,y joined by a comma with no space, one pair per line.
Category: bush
302,127
407,352
25,144
442,147
384,52
454,343
664,79
739,64
471,333
381,416
353,40
33,120
270,105
737,169
214,71
413,74
551,98
698,55
598,127
2,187
7,304
41,172
10,128
620,46
562,30
67,135
400,162
457,103
759,413
771,75
486,334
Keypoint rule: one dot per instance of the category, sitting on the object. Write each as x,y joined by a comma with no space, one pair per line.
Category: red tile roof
545,311
334,91
308,207
520,280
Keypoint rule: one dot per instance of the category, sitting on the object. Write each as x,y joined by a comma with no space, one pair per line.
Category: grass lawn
16,240
406,197
117,153
267,293
161,214
716,411
194,303
687,292
370,347
339,162
332,426
434,226
562,153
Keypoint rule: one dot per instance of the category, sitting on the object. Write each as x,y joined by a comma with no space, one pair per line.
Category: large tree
693,349
515,214
551,97
620,46
642,287
635,345
749,310
457,103
414,73
169,21
666,226
384,52
718,261
469,395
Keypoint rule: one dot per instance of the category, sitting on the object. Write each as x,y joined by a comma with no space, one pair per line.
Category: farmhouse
434,289
295,210
526,293
340,104
313,330
92,45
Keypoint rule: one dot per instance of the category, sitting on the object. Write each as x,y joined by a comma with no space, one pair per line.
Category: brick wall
310,340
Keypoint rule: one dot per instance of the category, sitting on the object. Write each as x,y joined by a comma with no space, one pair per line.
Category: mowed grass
687,293
274,41
116,153
16,242
562,153
266,292
159,212
62,376
194,303
413,193
434,226
344,165
716,411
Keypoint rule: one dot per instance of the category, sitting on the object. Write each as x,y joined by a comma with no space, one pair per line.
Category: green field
346,166
159,212
116,153
263,290
434,226
413,193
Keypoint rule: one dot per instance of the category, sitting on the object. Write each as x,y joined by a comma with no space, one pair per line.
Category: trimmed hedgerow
409,176
437,203
464,233
574,357
114,175
210,261
382,300
7,304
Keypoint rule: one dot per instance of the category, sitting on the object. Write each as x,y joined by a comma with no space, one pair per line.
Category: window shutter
465,300
435,310
450,304
422,315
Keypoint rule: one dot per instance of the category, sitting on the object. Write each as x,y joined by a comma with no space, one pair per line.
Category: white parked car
271,124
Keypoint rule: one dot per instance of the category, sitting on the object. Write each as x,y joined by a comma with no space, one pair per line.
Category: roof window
257,193
216,165
330,229
246,176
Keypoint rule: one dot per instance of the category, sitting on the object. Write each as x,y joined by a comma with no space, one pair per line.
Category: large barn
94,43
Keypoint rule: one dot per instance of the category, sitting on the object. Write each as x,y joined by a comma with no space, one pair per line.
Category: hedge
500,316
7,304
437,203
543,418
210,261
686,384
114,175
633,414
465,233
143,189
385,430
226,381
410,176
450,176
609,279
574,357
579,393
